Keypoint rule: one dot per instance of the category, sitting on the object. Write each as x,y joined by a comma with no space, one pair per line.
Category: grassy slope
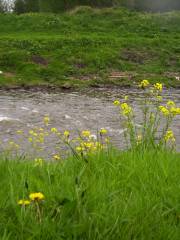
126,195
74,47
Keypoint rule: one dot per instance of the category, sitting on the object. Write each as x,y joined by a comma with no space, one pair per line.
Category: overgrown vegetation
130,195
87,47
97,192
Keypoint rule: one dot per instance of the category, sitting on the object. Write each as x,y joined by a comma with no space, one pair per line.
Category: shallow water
89,109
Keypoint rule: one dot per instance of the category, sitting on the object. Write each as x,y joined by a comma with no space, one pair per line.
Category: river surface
74,111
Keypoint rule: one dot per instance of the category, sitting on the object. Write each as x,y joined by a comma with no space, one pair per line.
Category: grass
83,47
115,195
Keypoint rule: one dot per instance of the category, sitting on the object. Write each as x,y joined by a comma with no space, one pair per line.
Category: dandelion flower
36,196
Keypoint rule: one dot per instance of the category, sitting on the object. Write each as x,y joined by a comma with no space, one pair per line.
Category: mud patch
39,60
138,56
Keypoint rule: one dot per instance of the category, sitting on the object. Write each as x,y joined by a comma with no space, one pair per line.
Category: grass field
85,47
114,195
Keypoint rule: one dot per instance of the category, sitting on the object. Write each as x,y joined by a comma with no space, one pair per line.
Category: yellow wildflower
175,111
19,132
86,133
170,103
158,87
103,131
126,109
116,103
38,161
36,196
159,98
30,139
169,136
164,110
56,157
54,130
144,84
23,202
79,149
66,133
46,120
126,98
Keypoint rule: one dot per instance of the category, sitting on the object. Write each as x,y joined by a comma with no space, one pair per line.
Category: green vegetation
86,46
97,192
116,195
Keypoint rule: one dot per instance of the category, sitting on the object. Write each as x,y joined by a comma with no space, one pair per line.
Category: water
88,109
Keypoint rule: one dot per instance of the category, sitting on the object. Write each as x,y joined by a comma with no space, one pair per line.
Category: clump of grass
127,195
97,192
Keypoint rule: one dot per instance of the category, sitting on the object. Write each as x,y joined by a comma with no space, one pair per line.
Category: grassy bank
89,47
114,195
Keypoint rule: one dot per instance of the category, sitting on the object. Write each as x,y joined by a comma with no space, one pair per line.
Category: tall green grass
114,195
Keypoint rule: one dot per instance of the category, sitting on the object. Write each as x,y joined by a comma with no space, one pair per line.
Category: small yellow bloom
169,136
164,111
86,133
116,103
175,111
54,130
56,157
46,120
126,109
30,139
144,84
158,87
36,196
170,103
66,133
19,132
38,161
126,98
23,202
103,131
159,98
79,149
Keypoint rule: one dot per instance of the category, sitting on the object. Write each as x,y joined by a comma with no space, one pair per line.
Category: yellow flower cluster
89,147
86,133
37,196
158,87
164,110
126,109
170,109
144,84
169,136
